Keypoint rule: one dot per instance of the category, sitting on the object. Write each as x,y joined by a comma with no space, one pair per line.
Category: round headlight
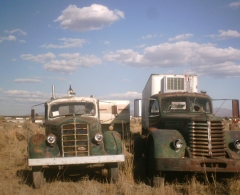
98,137
51,139
236,144
178,143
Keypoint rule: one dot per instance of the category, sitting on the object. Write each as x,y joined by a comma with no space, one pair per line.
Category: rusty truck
180,133
79,136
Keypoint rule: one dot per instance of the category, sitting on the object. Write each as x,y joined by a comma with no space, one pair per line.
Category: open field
15,177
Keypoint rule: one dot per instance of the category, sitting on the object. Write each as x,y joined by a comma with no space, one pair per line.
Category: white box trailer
120,121
159,83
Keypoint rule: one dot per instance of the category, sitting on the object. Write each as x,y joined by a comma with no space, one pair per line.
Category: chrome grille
75,138
206,139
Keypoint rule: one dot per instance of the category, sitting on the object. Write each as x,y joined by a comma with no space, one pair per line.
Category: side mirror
33,116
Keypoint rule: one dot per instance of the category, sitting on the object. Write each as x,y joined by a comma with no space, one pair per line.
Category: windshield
186,104
78,108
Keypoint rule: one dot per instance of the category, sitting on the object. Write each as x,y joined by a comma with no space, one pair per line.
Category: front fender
38,148
230,137
112,142
163,143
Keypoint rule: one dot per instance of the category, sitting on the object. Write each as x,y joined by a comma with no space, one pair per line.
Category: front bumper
197,165
76,160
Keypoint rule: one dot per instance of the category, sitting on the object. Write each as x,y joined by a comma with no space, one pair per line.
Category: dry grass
15,175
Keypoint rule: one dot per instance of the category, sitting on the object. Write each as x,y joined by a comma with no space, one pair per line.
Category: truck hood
70,119
191,117
181,121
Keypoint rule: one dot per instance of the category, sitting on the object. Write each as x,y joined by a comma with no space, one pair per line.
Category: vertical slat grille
75,138
206,139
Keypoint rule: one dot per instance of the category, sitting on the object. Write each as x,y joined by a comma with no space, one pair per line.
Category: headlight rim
236,144
51,143
97,138
178,143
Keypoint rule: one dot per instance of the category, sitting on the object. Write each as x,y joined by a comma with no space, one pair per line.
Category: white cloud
67,43
94,17
226,34
16,31
225,69
235,4
149,36
41,58
62,66
52,78
27,80
181,37
204,58
9,38
65,63
125,80
141,46
26,96
130,95
124,56
127,95
71,62
106,43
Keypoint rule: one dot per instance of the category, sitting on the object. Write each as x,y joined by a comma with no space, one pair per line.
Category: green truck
180,133
77,138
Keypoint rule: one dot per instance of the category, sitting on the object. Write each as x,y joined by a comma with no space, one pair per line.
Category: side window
153,107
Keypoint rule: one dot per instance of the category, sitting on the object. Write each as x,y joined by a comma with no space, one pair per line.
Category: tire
38,178
154,177
138,148
113,173
150,165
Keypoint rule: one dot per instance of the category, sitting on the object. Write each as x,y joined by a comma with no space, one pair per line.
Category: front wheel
113,172
155,178
38,178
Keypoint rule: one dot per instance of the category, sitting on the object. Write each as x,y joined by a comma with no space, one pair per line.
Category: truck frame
75,137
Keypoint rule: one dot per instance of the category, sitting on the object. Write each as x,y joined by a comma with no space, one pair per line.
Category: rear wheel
38,177
113,172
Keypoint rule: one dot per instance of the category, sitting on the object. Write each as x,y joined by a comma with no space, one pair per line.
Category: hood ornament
71,92
74,118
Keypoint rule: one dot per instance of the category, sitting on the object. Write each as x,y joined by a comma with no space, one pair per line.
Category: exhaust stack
53,92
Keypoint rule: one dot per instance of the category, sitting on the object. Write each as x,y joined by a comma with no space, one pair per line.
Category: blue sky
109,49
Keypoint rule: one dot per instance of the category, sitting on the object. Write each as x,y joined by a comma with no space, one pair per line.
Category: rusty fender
163,143
38,148
112,142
